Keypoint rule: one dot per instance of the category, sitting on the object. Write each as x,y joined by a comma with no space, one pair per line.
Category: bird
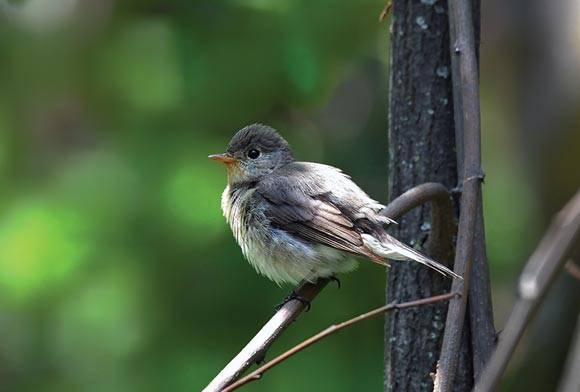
302,221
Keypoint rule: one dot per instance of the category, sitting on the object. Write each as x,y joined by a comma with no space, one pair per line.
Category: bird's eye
253,153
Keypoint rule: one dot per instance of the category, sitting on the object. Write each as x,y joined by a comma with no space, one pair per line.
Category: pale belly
285,259
276,254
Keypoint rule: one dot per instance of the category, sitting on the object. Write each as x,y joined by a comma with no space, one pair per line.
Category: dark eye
253,153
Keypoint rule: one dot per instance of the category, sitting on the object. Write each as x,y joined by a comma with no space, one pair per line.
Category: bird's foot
260,358
336,280
291,297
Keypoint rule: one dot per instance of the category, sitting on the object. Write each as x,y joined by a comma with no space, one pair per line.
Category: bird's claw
291,297
260,358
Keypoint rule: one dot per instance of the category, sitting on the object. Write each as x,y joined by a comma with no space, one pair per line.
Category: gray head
254,152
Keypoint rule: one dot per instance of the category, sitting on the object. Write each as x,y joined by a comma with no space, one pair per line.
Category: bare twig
256,349
387,10
571,379
257,374
466,106
538,275
573,269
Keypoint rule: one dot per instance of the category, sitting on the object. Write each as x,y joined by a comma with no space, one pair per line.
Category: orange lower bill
223,158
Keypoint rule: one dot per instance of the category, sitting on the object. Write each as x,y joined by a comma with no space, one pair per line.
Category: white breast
235,207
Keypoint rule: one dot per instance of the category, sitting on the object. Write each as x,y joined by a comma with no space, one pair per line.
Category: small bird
300,221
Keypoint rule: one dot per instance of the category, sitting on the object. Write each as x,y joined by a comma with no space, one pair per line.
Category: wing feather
311,216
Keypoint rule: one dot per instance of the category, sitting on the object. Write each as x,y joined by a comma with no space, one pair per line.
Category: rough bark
421,149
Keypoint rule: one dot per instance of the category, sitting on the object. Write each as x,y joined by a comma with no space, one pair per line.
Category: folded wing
311,214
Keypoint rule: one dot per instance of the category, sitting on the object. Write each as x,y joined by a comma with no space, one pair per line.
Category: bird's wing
322,205
297,204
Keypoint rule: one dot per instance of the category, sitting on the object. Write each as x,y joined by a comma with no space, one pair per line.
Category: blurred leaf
141,66
101,185
41,243
3,143
95,331
192,196
186,369
507,199
511,214
302,65
40,15
267,5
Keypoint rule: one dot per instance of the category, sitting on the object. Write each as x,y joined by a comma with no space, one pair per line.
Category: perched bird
300,221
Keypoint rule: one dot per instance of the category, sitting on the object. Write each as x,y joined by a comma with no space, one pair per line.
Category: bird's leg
335,279
260,358
292,296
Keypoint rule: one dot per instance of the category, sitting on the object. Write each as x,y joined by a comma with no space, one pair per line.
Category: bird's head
254,152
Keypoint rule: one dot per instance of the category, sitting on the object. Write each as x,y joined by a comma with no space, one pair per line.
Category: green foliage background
117,270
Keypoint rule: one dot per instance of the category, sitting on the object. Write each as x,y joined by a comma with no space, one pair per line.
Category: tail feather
391,248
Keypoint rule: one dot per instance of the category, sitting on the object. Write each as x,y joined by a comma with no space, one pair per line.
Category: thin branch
537,277
387,10
466,106
573,269
258,373
442,218
256,349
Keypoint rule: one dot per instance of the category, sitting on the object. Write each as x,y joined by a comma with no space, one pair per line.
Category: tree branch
482,329
538,275
442,219
573,270
256,349
467,126
257,374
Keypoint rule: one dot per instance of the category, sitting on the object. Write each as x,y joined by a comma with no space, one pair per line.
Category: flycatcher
300,220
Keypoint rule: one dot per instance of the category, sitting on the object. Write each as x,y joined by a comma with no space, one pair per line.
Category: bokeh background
117,270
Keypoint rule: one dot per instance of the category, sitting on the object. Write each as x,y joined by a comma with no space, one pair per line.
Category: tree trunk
421,149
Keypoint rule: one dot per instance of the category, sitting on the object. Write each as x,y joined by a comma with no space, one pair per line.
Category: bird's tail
391,248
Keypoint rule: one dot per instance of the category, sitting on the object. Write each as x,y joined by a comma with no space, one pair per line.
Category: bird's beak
223,158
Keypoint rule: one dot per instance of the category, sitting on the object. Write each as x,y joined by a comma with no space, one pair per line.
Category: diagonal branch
572,269
466,106
538,275
258,373
256,349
